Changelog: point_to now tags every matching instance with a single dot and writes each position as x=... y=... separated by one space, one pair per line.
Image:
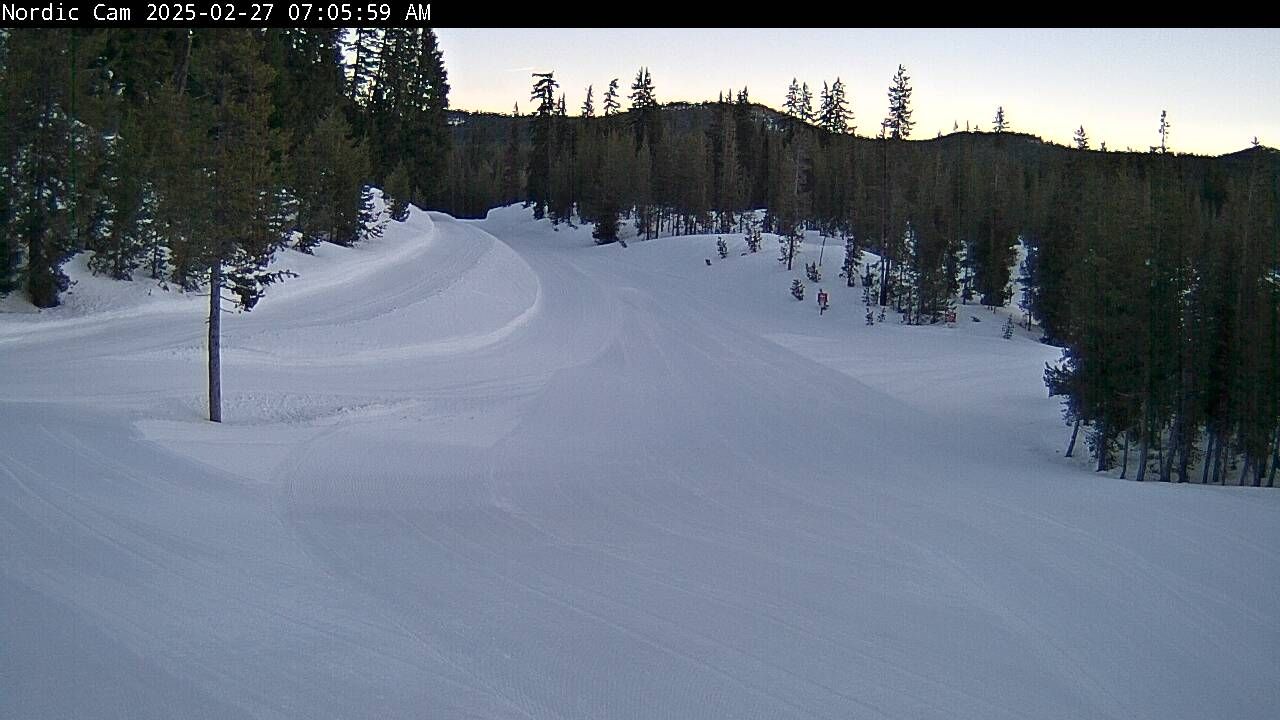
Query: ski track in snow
x=481 y=469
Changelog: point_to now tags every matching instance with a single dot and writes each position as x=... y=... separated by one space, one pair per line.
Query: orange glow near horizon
x=1221 y=87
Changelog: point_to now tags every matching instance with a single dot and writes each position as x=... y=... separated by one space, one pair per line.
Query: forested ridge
x=191 y=157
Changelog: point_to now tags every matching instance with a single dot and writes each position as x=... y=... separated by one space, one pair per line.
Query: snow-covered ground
x=487 y=470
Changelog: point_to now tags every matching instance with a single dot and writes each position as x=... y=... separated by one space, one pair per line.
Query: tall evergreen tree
x=1164 y=131
x=792 y=104
x=542 y=142
x=130 y=235
x=49 y=156
x=364 y=46
x=1080 y=139
x=644 y=109
x=512 y=183
x=428 y=121
x=244 y=227
x=334 y=204
x=834 y=115
x=806 y=104
x=899 y=122
x=408 y=111
x=611 y=105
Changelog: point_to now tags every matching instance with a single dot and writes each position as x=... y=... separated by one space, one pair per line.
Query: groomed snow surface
x=489 y=470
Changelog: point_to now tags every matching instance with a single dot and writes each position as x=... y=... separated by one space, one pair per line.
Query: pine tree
x=806 y=104
x=811 y=270
x=899 y=122
x=50 y=156
x=834 y=115
x=611 y=105
x=397 y=190
x=408 y=111
x=644 y=109
x=309 y=79
x=797 y=289
x=542 y=141
x=333 y=203
x=428 y=120
x=131 y=236
x=244 y=227
x=512 y=182
x=1164 y=131
x=792 y=104
x=999 y=125
x=1028 y=278
x=852 y=261
x=386 y=127
x=603 y=197
x=182 y=200
x=363 y=45
x=563 y=163
x=722 y=248
x=1081 y=139
x=1007 y=332
x=588 y=105
x=606 y=229
x=730 y=196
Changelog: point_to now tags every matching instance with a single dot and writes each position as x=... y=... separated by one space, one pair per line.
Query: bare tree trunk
x=215 y=348
x=1103 y=448
x=1184 y=459
x=1275 y=459
x=884 y=279
x=884 y=219
x=1208 y=457
x=1218 y=477
x=1160 y=457
x=1071 y=446
x=180 y=77
x=1124 y=463
x=1143 y=447
x=1166 y=461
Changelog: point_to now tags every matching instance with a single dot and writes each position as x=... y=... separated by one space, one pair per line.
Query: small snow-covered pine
x=797 y=289
x=722 y=247
x=852 y=256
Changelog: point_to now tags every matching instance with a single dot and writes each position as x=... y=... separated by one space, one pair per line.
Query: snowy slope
x=485 y=469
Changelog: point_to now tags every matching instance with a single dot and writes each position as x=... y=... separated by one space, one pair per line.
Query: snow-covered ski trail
x=483 y=469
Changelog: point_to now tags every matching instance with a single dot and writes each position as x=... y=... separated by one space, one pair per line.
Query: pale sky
x=1221 y=87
